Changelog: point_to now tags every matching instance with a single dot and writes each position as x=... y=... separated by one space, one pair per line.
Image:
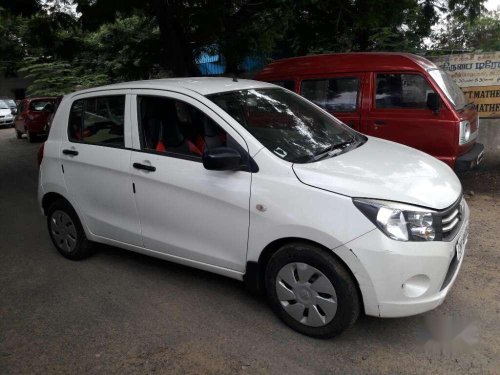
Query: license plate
x=462 y=241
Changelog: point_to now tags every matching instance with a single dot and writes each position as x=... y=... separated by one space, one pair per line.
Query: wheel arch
x=51 y=197
x=255 y=271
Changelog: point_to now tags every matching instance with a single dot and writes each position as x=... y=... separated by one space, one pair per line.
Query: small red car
x=401 y=97
x=32 y=117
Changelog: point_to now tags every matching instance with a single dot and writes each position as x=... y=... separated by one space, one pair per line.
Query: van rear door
x=339 y=94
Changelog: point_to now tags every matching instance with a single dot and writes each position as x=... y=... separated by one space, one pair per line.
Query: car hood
x=4 y=112
x=385 y=170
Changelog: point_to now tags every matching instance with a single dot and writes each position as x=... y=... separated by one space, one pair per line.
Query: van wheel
x=67 y=232
x=19 y=135
x=311 y=291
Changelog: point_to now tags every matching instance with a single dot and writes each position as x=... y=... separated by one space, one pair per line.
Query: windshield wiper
x=328 y=151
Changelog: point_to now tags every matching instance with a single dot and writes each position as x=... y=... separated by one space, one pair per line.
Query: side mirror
x=222 y=159
x=433 y=102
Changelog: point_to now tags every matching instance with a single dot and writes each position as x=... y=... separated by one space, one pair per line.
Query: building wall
x=13 y=87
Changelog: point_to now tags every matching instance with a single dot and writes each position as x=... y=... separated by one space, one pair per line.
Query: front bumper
x=6 y=121
x=471 y=159
x=405 y=278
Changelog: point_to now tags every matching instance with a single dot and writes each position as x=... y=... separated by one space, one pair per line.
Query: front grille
x=449 y=221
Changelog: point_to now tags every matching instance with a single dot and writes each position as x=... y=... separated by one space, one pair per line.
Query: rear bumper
x=471 y=159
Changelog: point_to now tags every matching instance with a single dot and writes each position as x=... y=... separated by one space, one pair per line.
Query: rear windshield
x=3 y=105
x=39 y=105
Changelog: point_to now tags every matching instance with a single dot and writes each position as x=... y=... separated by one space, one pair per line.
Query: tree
x=459 y=34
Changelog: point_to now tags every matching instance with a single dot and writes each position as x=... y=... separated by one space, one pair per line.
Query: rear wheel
x=67 y=232
x=311 y=291
x=31 y=137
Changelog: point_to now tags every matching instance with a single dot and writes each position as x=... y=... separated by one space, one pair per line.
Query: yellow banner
x=478 y=75
x=485 y=98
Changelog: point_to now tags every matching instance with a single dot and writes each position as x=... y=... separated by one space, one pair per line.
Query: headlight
x=399 y=221
x=464 y=132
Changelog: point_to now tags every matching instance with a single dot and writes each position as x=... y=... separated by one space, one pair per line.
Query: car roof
x=200 y=85
x=345 y=62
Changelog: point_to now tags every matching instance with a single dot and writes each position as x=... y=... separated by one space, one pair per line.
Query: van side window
x=287 y=84
x=169 y=125
x=334 y=95
x=402 y=91
x=98 y=120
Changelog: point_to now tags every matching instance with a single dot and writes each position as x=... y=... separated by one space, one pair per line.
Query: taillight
x=40 y=154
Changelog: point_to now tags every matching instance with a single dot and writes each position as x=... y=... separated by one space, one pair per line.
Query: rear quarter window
x=98 y=120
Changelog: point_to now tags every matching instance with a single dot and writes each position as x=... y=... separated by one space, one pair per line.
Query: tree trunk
x=176 y=52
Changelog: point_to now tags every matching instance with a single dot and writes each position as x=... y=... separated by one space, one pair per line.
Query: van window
x=287 y=84
x=173 y=126
x=334 y=94
x=98 y=120
x=40 y=105
x=402 y=91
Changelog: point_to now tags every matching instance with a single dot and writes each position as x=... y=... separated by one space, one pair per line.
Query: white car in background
x=251 y=181
x=6 y=116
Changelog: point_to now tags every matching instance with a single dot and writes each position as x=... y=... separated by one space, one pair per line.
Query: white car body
x=6 y=117
x=222 y=221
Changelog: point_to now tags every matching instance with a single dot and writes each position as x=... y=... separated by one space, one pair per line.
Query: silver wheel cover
x=63 y=231
x=306 y=294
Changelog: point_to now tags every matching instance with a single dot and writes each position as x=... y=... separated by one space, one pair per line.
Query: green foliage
x=58 y=78
x=482 y=34
x=108 y=41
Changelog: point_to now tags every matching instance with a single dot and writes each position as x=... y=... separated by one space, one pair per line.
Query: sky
x=492 y=4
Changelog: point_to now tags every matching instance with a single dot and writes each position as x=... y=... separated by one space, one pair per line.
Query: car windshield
x=39 y=105
x=11 y=103
x=289 y=126
x=4 y=105
x=450 y=88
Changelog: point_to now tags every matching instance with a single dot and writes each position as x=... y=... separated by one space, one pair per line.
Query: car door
x=185 y=210
x=339 y=94
x=398 y=112
x=96 y=164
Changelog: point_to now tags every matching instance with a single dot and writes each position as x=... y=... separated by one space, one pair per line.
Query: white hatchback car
x=251 y=181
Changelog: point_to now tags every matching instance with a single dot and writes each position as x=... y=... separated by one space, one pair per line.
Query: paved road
x=119 y=312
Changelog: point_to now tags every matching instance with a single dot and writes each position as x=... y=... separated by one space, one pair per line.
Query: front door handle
x=144 y=167
x=379 y=122
x=70 y=152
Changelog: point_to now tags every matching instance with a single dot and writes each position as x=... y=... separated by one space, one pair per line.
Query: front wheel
x=311 y=291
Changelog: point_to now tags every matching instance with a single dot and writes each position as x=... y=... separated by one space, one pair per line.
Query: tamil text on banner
x=478 y=74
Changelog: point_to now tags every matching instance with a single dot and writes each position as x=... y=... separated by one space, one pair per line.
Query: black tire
x=31 y=137
x=348 y=301
x=82 y=246
x=19 y=135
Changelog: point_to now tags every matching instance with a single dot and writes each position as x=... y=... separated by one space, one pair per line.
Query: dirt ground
x=120 y=312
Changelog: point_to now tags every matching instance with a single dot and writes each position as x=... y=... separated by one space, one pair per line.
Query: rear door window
x=98 y=120
x=395 y=90
x=333 y=94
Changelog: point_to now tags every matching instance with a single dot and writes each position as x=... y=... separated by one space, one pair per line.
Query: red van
x=32 y=117
x=396 y=96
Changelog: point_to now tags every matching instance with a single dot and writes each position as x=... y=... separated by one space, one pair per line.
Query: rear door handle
x=70 y=152
x=379 y=122
x=144 y=167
